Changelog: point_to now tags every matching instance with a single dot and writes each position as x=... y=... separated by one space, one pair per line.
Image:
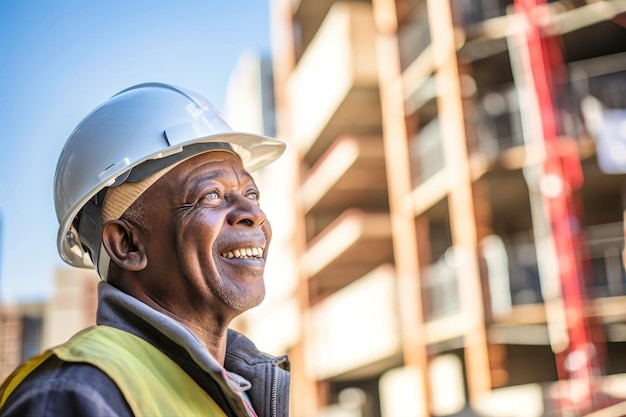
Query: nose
x=246 y=212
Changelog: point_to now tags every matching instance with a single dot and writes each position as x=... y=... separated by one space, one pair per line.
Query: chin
x=255 y=299
x=243 y=299
x=246 y=304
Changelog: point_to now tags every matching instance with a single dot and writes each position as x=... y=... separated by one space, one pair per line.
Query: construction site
x=448 y=218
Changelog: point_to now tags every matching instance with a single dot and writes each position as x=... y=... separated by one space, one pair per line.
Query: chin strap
x=90 y=229
x=102 y=266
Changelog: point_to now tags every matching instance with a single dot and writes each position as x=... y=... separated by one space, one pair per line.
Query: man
x=154 y=189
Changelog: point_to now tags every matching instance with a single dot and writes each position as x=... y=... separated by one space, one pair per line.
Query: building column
x=461 y=199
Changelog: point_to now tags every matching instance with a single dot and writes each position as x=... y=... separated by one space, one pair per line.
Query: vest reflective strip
x=152 y=384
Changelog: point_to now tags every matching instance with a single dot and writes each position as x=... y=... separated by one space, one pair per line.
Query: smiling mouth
x=243 y=253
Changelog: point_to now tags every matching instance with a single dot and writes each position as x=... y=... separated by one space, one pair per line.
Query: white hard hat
x=136 y=132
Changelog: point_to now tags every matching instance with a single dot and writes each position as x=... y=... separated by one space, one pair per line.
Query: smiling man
x=154 y=189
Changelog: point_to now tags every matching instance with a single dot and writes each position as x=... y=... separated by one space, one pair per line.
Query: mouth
x=243 y=253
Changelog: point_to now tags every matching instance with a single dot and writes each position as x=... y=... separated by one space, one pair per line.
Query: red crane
x=560 y=178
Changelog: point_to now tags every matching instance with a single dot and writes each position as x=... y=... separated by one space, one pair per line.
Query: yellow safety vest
x=152 y=384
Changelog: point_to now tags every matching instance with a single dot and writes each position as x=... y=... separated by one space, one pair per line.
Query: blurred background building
x=28 y=328
x=448 y=218
x=458 y=189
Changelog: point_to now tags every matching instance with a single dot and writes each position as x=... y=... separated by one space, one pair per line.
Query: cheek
x=198 y=235
x=197 y=259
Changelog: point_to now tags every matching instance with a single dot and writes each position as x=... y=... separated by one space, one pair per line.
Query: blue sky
x=59 y=60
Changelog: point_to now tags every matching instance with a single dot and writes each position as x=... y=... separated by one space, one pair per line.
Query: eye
x=253 y=195
x=211 y=197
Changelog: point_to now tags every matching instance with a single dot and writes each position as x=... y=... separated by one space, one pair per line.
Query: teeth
x=244 y=253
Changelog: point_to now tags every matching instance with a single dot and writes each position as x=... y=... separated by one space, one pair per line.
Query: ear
x=122 y=242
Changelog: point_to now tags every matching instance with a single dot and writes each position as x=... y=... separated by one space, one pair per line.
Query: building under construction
x=457 y=173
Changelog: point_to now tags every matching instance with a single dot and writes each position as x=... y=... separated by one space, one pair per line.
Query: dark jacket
x=58 y=388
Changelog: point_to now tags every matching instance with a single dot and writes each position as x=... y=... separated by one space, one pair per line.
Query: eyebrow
x=194 y=181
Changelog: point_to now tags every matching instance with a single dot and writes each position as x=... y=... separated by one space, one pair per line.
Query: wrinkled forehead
x=211 y=161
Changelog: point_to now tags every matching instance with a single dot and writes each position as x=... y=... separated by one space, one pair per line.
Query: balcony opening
x=440 y=262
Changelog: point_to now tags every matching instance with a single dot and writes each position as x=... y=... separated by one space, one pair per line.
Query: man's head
x=194 y=239
x=150 y=131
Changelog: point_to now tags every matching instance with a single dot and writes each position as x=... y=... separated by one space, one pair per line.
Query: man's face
x=206 y=237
